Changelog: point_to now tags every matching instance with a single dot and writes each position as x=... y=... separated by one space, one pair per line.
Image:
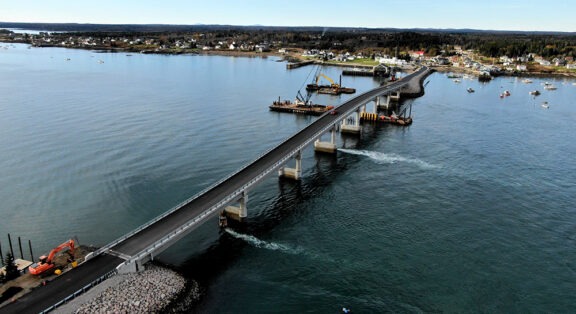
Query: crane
x=315 y=86
x=46 y=263
x=332 y=84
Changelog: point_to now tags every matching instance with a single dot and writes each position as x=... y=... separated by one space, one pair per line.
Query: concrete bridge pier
x=293 y=173
x=327 y=147
x=352 y=123
x=381 y=105
x=238 y=212
x=393 y=96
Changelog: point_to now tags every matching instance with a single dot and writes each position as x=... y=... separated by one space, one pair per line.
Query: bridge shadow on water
x=287 y=202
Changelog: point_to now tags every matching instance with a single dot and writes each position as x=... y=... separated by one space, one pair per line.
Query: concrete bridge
x=130 y=252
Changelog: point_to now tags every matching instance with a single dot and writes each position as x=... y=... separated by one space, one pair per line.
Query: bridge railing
x=80 y=291
x=235 y=194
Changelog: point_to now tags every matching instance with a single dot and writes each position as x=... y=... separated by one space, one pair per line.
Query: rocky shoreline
x=157 y=289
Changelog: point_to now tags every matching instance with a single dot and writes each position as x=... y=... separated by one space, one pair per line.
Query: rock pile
x=144 y=292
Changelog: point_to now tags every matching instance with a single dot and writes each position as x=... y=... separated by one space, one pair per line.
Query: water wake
x=382 y=158
x=252 y=240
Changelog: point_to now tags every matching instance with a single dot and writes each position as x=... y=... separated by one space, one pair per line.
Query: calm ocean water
x=470 y=209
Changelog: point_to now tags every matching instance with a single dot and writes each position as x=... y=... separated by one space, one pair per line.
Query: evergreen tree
x=11 y=269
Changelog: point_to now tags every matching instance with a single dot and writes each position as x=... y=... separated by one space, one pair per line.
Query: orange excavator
x=46 y=263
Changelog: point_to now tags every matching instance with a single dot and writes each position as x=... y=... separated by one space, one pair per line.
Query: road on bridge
x=75 y=279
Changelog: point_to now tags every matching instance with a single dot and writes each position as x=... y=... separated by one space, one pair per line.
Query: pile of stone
x=145 y=292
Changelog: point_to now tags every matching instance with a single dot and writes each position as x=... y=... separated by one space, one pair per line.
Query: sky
x=522 y=15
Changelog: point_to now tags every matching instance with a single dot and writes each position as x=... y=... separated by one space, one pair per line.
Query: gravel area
x=149 y=291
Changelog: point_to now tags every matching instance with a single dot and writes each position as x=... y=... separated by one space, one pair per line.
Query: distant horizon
x=489 y=15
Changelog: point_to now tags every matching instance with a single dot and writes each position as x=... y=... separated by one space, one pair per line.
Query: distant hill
x=76 y=27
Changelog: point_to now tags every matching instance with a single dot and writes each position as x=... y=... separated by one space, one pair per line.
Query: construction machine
x=315 y=86
x=46 y=262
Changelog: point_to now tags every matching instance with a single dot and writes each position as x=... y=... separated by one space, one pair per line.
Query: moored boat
x=534 y=93
x=550 y=87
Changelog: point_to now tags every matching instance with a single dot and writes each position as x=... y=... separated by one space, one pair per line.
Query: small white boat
x=527 y=81
x=545 y=106
x=550 y=87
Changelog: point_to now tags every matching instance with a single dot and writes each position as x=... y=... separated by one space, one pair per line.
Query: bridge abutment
x=130 y=267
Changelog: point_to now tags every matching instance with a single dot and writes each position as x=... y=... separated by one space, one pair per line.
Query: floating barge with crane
x=332 y=89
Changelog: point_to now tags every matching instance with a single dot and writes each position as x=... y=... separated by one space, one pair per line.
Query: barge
x=300 y=107
x=332 y=89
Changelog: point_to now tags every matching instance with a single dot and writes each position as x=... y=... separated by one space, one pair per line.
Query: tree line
x=388 y=41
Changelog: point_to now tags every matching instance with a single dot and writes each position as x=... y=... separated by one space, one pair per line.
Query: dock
x=376 y=71
x=294 y=65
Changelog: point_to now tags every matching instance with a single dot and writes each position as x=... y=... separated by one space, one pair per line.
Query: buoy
x=57 y=271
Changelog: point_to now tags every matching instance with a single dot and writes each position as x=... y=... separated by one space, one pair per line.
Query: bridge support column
x=238 y=212
x=381 y=105
x=394 y=96
x=293 y=173
x=351 y=124
x=327 y=147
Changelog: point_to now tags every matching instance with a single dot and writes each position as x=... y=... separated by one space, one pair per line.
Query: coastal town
x=342 y=48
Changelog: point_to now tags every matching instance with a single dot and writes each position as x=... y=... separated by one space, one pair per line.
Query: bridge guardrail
x=80 y=291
